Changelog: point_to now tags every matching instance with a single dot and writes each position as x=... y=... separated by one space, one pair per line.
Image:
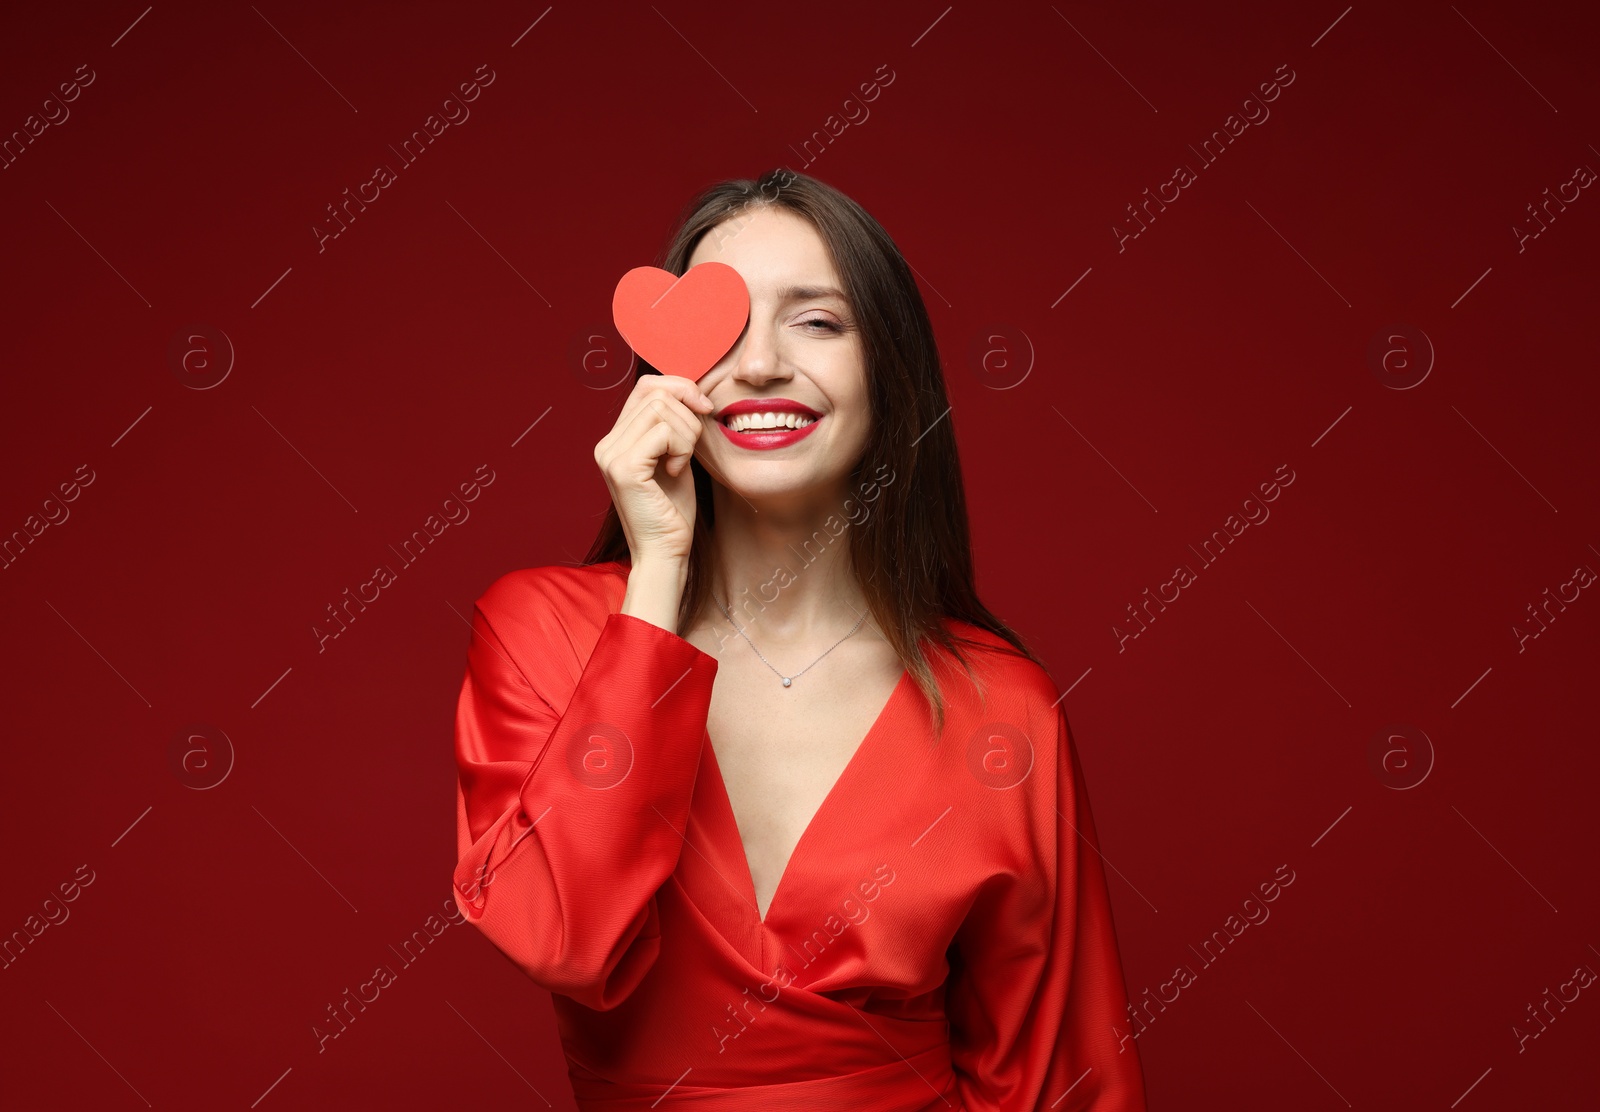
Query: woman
x=781 y=813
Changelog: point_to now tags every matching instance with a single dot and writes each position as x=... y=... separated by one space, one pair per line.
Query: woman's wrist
x=655 y=590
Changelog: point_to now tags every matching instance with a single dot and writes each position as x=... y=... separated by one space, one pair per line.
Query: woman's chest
x=781 y=752
x=866 y=878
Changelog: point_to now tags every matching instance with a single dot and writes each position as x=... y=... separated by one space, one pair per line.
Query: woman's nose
x=756 y=354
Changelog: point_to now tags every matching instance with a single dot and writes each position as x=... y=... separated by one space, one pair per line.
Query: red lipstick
x=767 y=439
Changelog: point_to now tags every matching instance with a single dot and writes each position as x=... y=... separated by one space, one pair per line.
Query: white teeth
x=745 y=422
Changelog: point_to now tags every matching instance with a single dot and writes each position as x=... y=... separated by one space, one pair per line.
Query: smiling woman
x=672 y=826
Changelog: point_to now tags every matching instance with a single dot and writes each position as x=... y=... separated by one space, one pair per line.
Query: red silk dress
x=940 y=940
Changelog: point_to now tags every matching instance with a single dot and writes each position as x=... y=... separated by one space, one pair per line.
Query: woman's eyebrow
x=809 y=293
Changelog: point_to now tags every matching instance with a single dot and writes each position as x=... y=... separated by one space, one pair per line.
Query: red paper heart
x=681 y=325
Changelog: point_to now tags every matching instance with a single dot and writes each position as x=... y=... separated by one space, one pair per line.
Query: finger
x=661 y=409
x=662 y=428
x=643 y=409
x=674 y=386
x=684 y=420
x=636 y=465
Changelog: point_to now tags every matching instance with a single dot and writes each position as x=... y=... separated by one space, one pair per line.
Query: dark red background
x=377 y=375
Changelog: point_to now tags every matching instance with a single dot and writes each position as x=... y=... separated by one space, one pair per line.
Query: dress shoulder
x=569 y=588
x=549 y=617
x=1003 y=668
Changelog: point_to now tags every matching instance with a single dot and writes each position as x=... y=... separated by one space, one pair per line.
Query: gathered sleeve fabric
x=575 y=778
x=1036 y=982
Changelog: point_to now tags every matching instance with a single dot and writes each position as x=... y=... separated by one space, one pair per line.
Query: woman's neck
x=784 y=571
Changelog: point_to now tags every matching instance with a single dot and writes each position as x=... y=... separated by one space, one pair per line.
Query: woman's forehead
x=770 y=248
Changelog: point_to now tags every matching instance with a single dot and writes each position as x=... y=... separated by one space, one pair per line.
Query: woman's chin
x=770 y=482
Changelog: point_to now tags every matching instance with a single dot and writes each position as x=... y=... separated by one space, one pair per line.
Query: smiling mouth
x=768 y=422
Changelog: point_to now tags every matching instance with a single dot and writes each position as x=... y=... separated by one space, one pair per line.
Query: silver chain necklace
x=787 y=680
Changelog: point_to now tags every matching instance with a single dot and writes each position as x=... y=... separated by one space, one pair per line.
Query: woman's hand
x=645 y=461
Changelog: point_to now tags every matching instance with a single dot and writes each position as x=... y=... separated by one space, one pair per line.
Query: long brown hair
x=913 y=555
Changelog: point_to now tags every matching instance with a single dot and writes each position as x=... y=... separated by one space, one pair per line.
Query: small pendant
x=787 y=681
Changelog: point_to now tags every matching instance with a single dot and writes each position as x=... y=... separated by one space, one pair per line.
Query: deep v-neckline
x=817 y=816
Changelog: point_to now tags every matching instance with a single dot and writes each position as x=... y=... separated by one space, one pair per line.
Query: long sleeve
x=570 y=797
x=1036 y=979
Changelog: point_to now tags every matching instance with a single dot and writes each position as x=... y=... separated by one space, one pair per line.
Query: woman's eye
x=828 y=325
